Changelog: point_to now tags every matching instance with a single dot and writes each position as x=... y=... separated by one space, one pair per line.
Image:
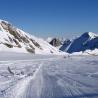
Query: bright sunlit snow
x=38 y=76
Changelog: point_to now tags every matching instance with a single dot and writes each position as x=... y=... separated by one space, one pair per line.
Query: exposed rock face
x=55 y=42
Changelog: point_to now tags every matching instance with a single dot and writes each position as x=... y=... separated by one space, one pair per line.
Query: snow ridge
x=13 y=39
x=87 y=41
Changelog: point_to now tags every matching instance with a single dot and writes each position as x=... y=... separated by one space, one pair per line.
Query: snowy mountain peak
x=14 y=39
x=90 y=35
x=87 y=41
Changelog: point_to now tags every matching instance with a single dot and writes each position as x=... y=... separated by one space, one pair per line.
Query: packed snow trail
x=50 y=77
x=54 y=81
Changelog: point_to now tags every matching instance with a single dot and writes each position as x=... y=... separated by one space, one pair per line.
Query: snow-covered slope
x=87 y=41
x=14 y=39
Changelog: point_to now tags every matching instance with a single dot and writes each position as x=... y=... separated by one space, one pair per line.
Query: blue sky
x=45 y=18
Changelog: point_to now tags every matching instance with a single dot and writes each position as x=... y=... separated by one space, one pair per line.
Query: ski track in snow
x=53 y=77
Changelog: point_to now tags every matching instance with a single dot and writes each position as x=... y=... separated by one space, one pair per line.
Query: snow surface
x=48 y=76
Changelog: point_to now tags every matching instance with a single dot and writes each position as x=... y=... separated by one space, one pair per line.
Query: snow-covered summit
x=90 y=35
x=16 y=40
x=87 y=41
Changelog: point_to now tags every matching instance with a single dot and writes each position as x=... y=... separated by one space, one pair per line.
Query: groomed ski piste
x=48 y=76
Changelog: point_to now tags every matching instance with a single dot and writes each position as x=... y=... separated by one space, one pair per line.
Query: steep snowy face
x=14 y=39
x=87 y=41
x=65 y=44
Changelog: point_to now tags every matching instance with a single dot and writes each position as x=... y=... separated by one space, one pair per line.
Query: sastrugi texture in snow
x=48 y=76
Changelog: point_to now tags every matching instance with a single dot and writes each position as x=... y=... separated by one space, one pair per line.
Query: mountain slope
x=65 y=44
x=87 y=41
x=14 y=39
